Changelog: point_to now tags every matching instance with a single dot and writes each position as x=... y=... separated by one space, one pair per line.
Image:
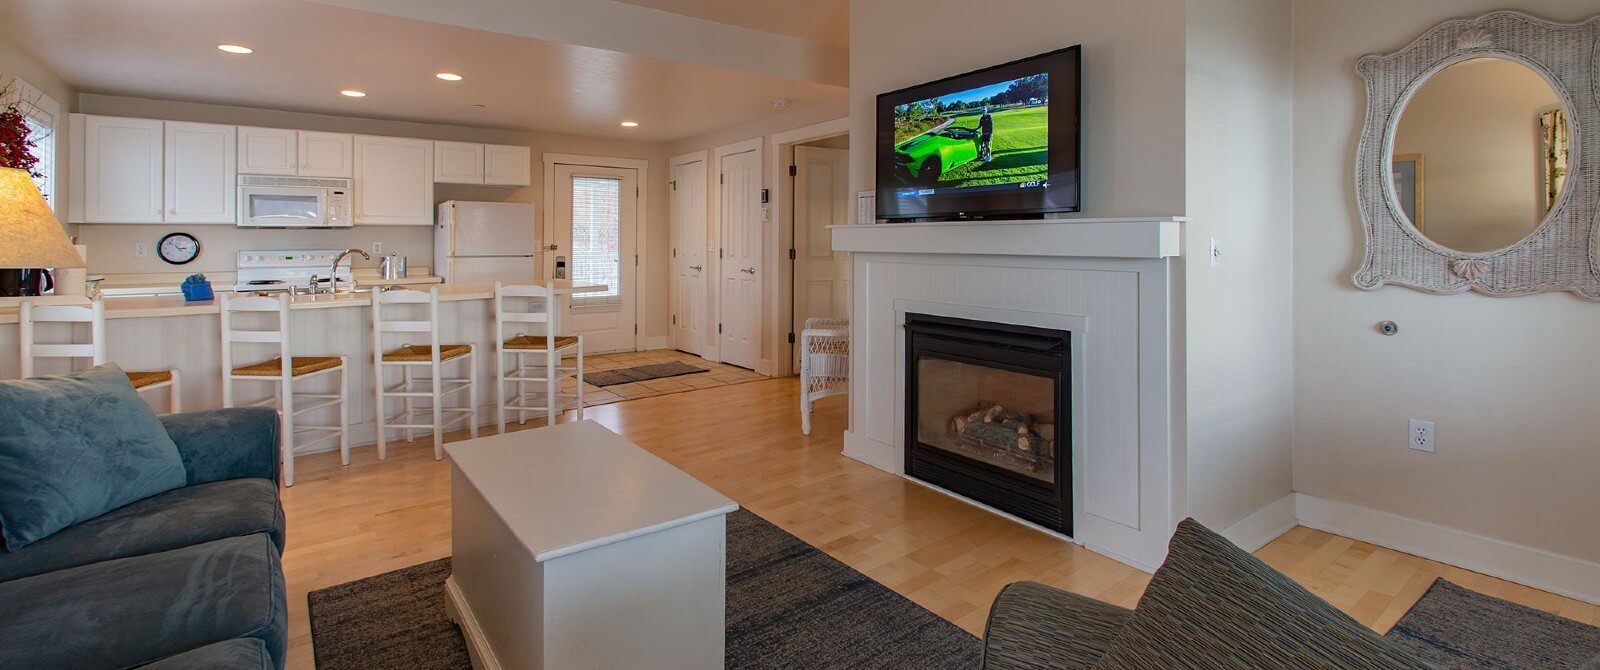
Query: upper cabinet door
x=122 y=170
x=457 y=163
x=268 y=151
x=393 y=181
x=201 y=172
x=507 y=165
x=327 y=154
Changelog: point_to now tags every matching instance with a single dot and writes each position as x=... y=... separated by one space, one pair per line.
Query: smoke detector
x=782 y=103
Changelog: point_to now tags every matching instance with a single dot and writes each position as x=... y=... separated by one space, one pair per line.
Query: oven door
x=283 y=207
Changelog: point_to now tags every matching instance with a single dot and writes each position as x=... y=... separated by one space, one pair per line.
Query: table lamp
x=30 y=235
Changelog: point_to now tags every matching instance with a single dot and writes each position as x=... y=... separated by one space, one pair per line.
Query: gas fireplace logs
x=1009 y=430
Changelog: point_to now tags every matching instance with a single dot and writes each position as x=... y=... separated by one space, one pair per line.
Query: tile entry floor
x=718 y=374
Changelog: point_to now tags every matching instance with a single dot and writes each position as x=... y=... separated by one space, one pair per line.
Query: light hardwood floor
x=371 y=517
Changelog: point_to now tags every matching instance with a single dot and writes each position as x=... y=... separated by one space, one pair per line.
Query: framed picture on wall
x=1408 y=187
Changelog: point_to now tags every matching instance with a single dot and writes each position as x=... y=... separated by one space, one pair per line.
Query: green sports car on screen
x=922 y=159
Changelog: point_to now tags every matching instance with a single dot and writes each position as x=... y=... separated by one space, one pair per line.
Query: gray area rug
x=1458 y=629
x=789 y=606
x=640 y=373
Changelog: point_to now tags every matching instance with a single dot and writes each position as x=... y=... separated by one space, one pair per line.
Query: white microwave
x=293 y=202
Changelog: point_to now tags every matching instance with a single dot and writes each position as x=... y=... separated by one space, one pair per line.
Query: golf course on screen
x=940 y=142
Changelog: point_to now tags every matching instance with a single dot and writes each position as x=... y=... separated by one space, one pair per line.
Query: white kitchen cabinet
x=457 y=163
x=326 y=154
x=268 y=151
x=393 y=181
x=122 y=170
x=201 y=172
x=505 y=165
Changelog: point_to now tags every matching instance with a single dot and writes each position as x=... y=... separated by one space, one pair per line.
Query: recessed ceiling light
x=479 y=107
x=630 y=124
x=352 y=93
x=782 y=103
x=448 y=76
x=236 y=49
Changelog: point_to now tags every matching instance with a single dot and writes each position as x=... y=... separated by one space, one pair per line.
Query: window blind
x=597 y=239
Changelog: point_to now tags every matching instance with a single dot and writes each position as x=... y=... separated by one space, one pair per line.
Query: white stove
x=287 y=269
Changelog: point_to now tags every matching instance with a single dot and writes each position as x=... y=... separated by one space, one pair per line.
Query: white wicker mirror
x=1552 y=250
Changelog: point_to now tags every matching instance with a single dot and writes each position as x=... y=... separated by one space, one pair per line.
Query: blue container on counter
x=196 y=288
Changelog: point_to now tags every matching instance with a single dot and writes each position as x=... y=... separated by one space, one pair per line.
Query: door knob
x=549 y=247
x=749 y=271
x=696 y=268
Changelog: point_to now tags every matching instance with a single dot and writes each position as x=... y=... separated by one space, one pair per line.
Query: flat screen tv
x=998 y=142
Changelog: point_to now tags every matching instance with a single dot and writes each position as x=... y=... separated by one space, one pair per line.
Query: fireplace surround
x=988 y=414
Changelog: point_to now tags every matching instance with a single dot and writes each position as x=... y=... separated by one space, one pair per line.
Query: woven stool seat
x=151 y=378
x=298 y=365
x=538 y=342
x=419 y=353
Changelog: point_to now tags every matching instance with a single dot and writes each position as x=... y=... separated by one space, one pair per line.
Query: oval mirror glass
x=1480 y=154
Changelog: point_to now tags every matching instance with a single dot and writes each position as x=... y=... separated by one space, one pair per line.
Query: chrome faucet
x=333 y=279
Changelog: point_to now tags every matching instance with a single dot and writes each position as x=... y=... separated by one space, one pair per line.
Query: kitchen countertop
x=120 y=286
x=174 y=305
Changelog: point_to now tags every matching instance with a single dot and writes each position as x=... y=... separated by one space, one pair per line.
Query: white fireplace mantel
x=1101 y=238
x=1105 y=281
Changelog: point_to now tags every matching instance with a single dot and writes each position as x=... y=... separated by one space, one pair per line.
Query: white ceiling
x=306 y=52
x=825 y=21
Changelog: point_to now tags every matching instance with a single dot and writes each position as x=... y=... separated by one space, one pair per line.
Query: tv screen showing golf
x=1000 y=141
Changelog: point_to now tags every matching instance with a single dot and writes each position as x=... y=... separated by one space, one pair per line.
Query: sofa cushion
x=1037 y=627
x=75 y=446
x=1213 y=605
x=166 y=521
x=237 y=654
x=132 y=611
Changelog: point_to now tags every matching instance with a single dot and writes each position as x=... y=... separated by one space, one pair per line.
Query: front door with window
x=593 y=229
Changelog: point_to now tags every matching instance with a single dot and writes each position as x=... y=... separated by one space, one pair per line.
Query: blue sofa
x=189 y=578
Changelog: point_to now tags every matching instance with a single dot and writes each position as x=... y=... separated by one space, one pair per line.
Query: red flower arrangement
x=16 y=147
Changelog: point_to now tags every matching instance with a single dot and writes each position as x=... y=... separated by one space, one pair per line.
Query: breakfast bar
x=167 y=332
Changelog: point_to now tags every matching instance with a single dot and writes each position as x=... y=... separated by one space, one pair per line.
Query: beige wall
x=16 y=62
x=1510 y=382
x=1475 y=124
x=111 y=246
x=1133 y=81
x=1238 y=316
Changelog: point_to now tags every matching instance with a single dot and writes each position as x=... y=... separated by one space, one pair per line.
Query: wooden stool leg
x=472 y=392
x=405 y=387
x=580 y=377
x=378 y=409
x=552 y=381
x=175 y=400
x=344 y=410
x=522 y=390
x=437 y=413
x=500 y=386
x=286 y=408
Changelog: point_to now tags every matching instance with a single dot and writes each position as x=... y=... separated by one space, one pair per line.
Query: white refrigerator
x=486 y=241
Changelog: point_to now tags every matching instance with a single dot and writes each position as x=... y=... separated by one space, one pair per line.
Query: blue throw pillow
x=75 y=446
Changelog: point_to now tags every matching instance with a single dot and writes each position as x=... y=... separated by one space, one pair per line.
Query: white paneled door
x=822 y=275
x=740 y=272
x=689 y=318
x=594 y=229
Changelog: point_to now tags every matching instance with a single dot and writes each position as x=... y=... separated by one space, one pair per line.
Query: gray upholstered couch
x=1210 y=605
x=189 y=578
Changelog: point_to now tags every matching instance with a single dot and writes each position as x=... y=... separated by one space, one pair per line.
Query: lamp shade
x=30 y=236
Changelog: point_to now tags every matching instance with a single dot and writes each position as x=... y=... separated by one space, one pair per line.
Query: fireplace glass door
x=1000 y=417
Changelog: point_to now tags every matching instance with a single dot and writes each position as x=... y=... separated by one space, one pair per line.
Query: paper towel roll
x=73 y=281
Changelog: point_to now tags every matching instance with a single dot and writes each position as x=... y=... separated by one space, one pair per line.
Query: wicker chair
x=824 y=363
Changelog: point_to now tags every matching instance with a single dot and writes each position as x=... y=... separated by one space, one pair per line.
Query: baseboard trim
x=877 y=454
x=1563 y=575
x=655 y=342
x=1264 y=525
x=455 y=607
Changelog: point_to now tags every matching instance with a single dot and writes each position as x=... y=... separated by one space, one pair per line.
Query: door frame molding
x=781 y=293
x=702 y=156
x=641 y=270
x=714 y=296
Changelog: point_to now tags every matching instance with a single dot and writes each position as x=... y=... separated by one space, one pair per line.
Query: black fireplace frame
x=1027 y=350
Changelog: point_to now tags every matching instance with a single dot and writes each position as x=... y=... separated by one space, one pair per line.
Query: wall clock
x=178 y=248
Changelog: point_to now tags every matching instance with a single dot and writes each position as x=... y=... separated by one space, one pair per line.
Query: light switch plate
x=140 y=249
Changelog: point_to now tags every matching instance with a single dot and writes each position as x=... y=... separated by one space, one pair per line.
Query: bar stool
x=551 y=347
x=283 y=371
x=92 y=312
x=411 y=358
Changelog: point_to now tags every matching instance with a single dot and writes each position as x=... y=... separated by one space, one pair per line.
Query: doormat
x=640 y=373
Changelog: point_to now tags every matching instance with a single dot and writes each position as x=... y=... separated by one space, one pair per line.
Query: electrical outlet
x=1420 y=434
x=139 y=249
x=377 y=248
x=1216 y=252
